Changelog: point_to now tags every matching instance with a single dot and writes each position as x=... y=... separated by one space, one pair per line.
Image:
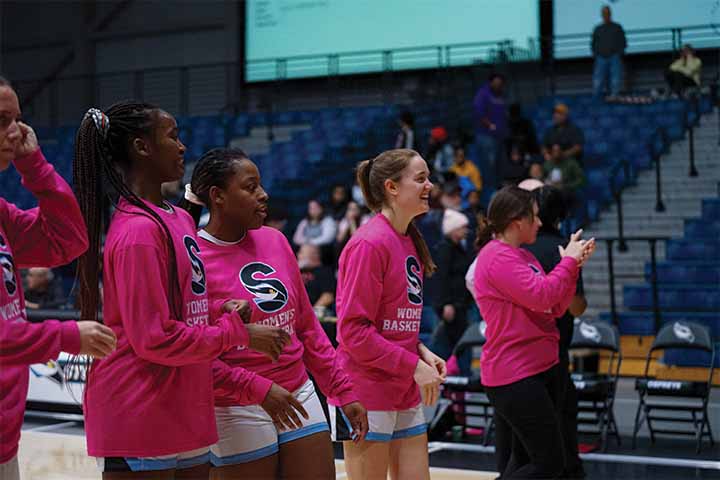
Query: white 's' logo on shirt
x=270 y=293
x=413 y=274
x=198 y=269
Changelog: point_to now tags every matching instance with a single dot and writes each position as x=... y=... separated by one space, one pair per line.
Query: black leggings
x=678 y=81
x=528 y=440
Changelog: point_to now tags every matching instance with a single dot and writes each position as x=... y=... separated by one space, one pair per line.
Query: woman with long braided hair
x=149 y=405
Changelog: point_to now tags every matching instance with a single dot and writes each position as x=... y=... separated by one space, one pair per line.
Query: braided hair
x=102 y=159
x=214 y=169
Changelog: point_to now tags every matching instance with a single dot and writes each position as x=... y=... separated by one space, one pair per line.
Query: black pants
x=567 y=414
x=678 y=81
x=528 y=440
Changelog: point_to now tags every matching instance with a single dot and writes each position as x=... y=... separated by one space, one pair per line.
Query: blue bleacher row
x=688 y=286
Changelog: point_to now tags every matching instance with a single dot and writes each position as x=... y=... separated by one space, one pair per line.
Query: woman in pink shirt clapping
x=519 y=304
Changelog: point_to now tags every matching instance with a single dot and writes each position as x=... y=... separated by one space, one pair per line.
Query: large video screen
x=648 y=24
x=306 y=38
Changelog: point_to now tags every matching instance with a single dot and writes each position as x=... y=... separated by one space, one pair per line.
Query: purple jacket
x=487 y=105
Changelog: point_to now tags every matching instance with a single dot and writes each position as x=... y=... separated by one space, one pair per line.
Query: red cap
x=439 y=133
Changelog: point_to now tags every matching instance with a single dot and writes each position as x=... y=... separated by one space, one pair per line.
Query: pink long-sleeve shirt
x=48 y=236
x=519 y=304
x=262 y=269
x=153 y=395
x=379 y=306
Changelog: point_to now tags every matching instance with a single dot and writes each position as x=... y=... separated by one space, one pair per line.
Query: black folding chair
x=458 y=387
x=694 y=395
x=596 y=391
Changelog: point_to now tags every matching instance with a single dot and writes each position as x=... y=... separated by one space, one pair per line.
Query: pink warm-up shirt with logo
x=153 y=395
x=50 y=235
x=262 y=269
x=519 y=304
x=379 y=306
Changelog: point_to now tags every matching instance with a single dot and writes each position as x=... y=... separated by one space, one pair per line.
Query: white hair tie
x=191 y=197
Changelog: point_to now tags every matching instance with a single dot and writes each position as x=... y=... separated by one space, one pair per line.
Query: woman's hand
x=283 y=408
x=357 y=415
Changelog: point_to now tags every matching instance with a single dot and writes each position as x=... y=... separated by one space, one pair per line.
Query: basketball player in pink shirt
x=519 y=304
x=379 y=304
x=270 y=421
x=149 y=409
x=50 y=235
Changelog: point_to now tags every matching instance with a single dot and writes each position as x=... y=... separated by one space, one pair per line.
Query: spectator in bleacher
x=684 y=72
x=357 y=195
x=406 y=135
x=517 y=166
x=564 y=133
x=537 y=171
x=608 y=47
x=319 y=280
x=462 y=167
x=316 y=228
x=565 y=174
x=491 y=124
x=339 y=198
x=521 y=131
x=440 y=154
x=348 y=225
x=43 y=291
x=451 y=196
x=452 y=299
x=552 y=211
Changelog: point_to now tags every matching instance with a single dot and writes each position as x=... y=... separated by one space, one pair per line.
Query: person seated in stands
x=319 y=280
x=316 y=228
x=348 y=225
x=462 y=167
x=451 y=197
x=537 y=171
x=517 y=167
x=453 y=256
x=564 y=133
x=564 y=174
x=42 y=291
x=406 y=136
x=684 y=72
x=339 y=198
x=440 y=156
x=521 y=132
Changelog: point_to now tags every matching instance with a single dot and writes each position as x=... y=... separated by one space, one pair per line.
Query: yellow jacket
x=469 y=170
x=690 y=67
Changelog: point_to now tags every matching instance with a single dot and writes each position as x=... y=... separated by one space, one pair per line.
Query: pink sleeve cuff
x=408 y=364
x=69 y=337
x=237 y=333
x=571 y=264
x=346 y=397
x=259 y=388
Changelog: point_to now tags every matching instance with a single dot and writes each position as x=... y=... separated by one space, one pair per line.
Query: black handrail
x=692 y=105
x=652 y=243
x=616 y=188
x=655 y=154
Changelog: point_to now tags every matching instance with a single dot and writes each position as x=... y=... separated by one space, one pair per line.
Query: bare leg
x=308 y=458
x=409 y=458
x=367 y=460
